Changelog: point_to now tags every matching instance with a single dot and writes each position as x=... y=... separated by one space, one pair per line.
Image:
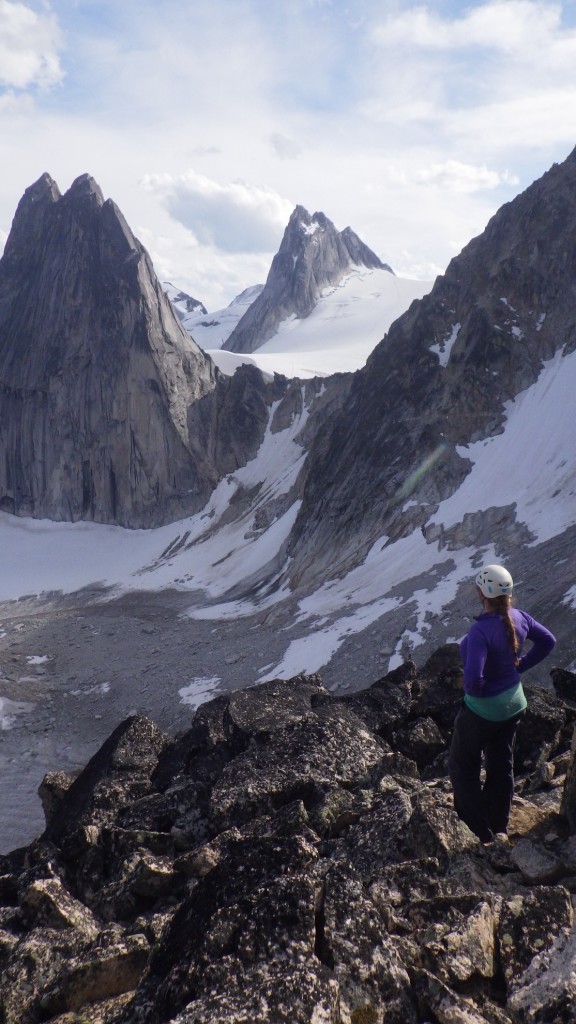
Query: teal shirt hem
x=497 y=709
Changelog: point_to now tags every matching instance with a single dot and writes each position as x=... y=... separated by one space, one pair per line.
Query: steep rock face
x=96 y=373
x=441 y=377
x=282 y=861
x=313 y=255
x=226 y=426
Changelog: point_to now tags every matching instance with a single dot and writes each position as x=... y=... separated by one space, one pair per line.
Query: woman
x=494 y=703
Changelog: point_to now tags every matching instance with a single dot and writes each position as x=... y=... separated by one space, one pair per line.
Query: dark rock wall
x=96 y=374
x=512 y=291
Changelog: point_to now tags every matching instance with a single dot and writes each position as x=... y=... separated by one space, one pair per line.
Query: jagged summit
x=312 y=256
x=96 y=372
x=41 y=197
x=45 y=188
x=85 y=185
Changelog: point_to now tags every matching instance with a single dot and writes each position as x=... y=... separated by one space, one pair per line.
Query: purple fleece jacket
x=489 y=667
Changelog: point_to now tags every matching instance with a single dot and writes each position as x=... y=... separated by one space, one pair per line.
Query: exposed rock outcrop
x=312 y=256
x=441 y=378
x=283 y=861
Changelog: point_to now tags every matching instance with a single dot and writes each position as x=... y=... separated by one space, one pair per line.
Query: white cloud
x=29 y=47
x=452 y=174
x=489 y=79
x=236 y=218
x=211 y=276
x=524 y=28
x=546 y=118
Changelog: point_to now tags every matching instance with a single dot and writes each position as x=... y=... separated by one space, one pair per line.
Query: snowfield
x=346 y=325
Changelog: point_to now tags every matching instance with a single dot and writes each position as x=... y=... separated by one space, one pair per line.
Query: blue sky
x=207 y=121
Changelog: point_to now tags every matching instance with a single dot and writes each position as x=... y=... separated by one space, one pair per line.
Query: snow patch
x=101 y=688
x=211 y=330
x=528 y=464
x=198 y=691
x=9 y=709
x=444 y=348
x=368 y=591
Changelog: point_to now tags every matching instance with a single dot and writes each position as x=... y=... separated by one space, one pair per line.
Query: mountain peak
x=299 y=213
x=44 y=188
x=85 y=185
x=97 y=373
x=313 y=255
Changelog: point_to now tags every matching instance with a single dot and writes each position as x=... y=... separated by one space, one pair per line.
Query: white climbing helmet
x=494 y=580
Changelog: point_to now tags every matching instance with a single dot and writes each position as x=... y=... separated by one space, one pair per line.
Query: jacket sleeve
x=542 y=643
x=474 y=649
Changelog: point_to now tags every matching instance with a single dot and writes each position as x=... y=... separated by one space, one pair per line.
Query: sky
x=207 y=122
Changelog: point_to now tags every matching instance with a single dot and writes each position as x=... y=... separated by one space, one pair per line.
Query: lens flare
x=425 y=466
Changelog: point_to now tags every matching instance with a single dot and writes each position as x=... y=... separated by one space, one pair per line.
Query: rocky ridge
x=294 y=856
x=441 y=378
x=312 y=256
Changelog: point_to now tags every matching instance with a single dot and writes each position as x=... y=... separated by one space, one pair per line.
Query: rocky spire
x=96 y=373
x=312 y=256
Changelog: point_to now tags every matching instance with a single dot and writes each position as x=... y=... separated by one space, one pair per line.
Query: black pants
x=484 y=808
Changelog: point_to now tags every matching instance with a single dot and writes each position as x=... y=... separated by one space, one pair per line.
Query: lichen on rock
x=280 y=861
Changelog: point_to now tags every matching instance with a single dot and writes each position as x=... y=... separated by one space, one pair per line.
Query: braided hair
x=502 y=605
